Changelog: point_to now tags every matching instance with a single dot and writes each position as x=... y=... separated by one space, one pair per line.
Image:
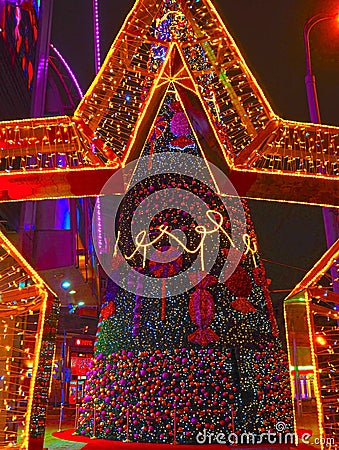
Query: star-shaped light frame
x=265 y=156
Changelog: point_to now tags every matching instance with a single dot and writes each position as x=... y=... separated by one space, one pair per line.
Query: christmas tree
x=169 y=366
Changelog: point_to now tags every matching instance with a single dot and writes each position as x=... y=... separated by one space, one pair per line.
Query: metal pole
x=63 y=380
x=330 y=215
x=41 y=63
x=127 y=426
x=61 y=417
x=311 y=89
x=94 y=423
x=296 y=380
x=76 y=416
x=175 y=424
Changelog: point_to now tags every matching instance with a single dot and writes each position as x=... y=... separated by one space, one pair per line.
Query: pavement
x=53 y=443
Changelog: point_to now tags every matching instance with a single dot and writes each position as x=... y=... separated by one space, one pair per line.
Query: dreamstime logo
x=172 y=199
x=282 y=435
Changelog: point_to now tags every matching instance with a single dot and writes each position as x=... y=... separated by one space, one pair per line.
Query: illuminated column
x=308 y=413
x=97 y=58
x=97 y=62
x=330 y=215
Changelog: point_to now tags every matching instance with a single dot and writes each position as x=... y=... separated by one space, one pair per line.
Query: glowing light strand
x=141 y=238
x=96 y=25
x=69 y=70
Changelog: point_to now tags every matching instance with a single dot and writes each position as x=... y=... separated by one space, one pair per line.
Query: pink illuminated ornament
x=240 y=284
x=180 y=125
x=202 y=310
x=180 y=128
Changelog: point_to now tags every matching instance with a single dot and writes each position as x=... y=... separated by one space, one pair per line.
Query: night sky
x=270 y=36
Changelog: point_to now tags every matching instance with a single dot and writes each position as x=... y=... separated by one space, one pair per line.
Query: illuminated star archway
x=265 y=156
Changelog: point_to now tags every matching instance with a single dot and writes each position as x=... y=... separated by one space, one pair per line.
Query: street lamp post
x=330 y=215
x=310 y=78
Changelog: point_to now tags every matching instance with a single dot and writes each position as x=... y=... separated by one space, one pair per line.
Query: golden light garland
x=26 y=347
x=142 y=243
x=321 y=320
